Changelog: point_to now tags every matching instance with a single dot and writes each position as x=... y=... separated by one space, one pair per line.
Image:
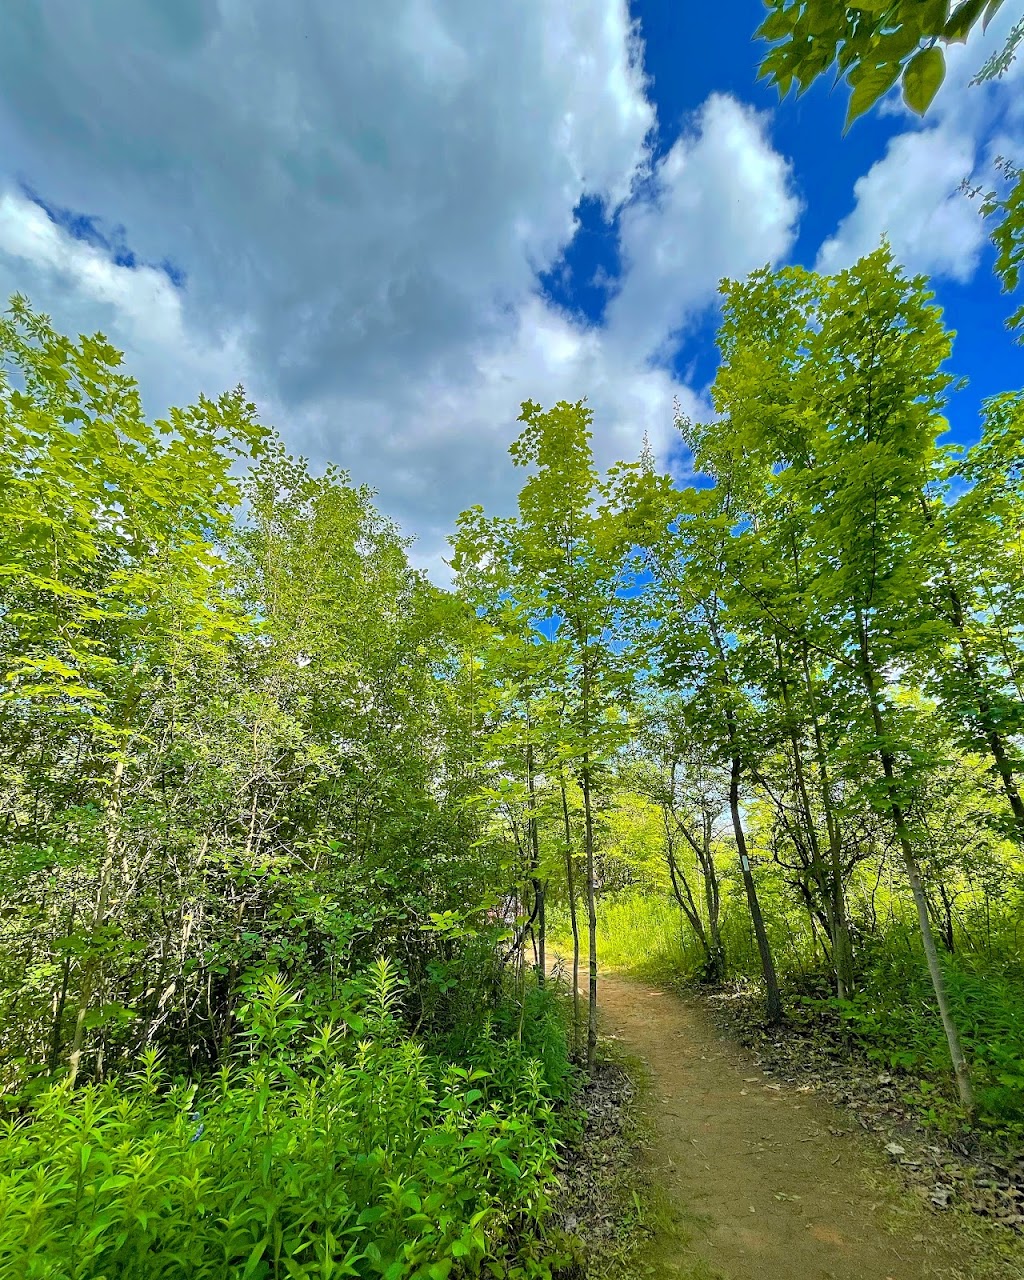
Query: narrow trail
x=769 y=1183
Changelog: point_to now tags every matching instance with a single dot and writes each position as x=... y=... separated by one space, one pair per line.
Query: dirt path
x=771 y=1183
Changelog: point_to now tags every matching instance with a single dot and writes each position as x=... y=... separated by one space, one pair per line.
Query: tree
x=566 y=559
x=691 y=790
x=700 y=656
x=112 y=580
x=854 y=452
x=876 y=43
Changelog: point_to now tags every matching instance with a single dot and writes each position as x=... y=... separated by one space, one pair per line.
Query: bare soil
x=767 y=1182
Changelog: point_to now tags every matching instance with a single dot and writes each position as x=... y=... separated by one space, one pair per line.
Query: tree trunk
x=684 y=894
x=960 y=1068
x=538 y=883
x=842 y=949
x=588 y=818
x=61 y=999
x=829 y=876
x=773 y=997
x=91 y=968
x=570 y=883
x=993 y=738
x=713 y=898
x=718 y=964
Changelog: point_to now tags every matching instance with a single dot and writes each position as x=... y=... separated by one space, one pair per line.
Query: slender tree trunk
x=993 y=738
x=829 y=876
x=842 y=948
x=712 y=896
x=946 y=923
x=588 y=818
x=91 y=968
x=538 y=883
x=773 y=997
x=870 y=682
x=684 y=894
x=570 y=884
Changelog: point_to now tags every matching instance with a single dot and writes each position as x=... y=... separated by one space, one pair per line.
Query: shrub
x=323 y=1150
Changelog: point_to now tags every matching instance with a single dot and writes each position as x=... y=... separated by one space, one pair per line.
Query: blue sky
x=395 y=222
x=693 y=51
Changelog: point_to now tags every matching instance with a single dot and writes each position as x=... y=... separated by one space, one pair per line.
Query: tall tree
x=699 y=655
x=568 y=557
x=856 y=452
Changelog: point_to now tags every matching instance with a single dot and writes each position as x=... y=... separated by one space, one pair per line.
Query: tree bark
x=773 y=997
x=828 y=876
x=570 y=883
x=870 y=681
x=588 y=818
x=993 y=738
x=538 y=883
x=91 y=968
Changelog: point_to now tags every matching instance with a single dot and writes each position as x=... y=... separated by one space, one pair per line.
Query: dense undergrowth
x=323 y=1148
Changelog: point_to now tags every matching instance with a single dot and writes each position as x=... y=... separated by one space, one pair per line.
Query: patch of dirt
x=946 y=1171
x=775 y=1184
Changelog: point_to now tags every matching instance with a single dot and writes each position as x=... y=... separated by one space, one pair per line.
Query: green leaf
x=962 y=19
x=924 y=74
x=868 y=89
x=256 y=1266
x=992 y=8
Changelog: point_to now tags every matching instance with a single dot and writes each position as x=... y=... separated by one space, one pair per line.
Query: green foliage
x=873 y=44
x=893 y=1018
x=282 y=822
x=320 y=1150
x=876 y=43
x=1006 y=209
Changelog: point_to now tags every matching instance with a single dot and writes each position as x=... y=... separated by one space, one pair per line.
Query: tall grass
x=637 y=934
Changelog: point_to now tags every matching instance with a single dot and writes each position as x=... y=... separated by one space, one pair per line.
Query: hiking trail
x=767 y=1181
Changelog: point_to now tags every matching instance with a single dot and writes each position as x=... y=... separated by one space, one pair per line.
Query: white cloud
x=361 y=197
x=722 y=205
x=912 y=194
x=369 y=184
x=138 y=308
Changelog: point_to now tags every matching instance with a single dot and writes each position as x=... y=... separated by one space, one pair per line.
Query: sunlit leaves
x=873 y=43
x=922 y=78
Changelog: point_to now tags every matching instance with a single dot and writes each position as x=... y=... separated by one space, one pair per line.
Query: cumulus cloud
x=361 y=199
x=138 y=307
x=721 y=204
x=912 y=194
x=370 y=184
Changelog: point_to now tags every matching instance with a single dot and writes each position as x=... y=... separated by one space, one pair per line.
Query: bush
x=330 y=1150
x=895 y=1019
